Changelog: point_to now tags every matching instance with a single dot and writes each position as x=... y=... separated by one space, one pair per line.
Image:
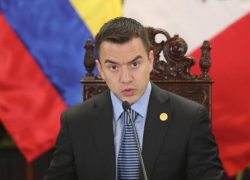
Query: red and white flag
x=226 y=24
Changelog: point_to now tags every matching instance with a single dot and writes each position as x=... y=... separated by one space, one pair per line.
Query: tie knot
x=125 y=116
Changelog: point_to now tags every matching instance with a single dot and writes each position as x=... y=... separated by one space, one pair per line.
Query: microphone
x=126 y=107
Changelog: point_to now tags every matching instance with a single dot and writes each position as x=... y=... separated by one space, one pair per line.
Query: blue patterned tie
x=128 y=158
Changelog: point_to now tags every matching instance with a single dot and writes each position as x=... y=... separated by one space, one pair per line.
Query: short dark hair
x=121 y=30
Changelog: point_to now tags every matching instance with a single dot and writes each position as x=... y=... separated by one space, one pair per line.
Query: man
x=174 y=133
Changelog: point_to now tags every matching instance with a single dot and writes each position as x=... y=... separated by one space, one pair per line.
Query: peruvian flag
x=226 y=24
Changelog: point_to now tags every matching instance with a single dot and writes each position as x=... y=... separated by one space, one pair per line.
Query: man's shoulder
x=86 y=106
x=177 y=100
x=183 y=108
x=183 y=100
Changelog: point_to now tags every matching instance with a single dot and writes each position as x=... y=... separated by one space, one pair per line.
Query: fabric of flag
x=41 y=63
x=226 y=24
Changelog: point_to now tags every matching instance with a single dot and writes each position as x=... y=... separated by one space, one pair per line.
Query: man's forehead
x=111 y=50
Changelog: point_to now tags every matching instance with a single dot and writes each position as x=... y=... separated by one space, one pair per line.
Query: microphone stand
x=138 y=146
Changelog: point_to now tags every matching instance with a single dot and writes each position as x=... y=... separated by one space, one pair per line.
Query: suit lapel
x=102 y=129
x=155 y=129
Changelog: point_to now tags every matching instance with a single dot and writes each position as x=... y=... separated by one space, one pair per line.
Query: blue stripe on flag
x=54 y=34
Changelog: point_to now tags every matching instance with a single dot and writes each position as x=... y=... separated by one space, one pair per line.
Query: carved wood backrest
x=170 y=72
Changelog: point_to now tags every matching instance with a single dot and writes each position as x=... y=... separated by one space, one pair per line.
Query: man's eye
x=135 y=64
x=113 y=67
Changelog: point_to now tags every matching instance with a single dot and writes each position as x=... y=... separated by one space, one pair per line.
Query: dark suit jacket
x=179 y=148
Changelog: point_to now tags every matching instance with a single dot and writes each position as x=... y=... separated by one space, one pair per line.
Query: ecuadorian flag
x=41 y=63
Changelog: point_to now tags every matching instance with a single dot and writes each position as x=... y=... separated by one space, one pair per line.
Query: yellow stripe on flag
x=96 y=12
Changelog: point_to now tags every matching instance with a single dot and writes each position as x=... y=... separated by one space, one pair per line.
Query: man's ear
x=151 y=60
x=99 y=67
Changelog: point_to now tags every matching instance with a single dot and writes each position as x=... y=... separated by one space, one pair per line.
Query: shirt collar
x=140 y=106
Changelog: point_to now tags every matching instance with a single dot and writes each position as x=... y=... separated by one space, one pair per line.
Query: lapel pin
x=163 y=117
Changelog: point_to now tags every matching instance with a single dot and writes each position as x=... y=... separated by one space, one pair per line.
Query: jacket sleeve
x=203 y=161
x=62 y=166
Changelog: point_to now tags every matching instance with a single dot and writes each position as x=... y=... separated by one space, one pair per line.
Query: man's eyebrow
x=113 y=62
x=137 y=57
x=110 y=61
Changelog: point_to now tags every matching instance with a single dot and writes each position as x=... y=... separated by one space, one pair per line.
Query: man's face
x=125 y=68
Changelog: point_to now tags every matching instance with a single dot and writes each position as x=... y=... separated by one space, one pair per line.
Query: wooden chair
x=171 y=73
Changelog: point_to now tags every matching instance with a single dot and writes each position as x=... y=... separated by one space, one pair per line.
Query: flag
x=226 y=24
x=41 y=63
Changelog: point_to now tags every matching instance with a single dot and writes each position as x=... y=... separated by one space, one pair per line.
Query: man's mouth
x=128 y=92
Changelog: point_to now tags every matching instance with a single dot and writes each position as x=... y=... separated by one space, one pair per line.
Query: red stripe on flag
x=230 y=96
x=30 y=107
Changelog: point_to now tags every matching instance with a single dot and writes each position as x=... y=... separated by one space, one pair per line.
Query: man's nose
x=125 y=75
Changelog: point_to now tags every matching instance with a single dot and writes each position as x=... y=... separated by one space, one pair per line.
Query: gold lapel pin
x=163 y=117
